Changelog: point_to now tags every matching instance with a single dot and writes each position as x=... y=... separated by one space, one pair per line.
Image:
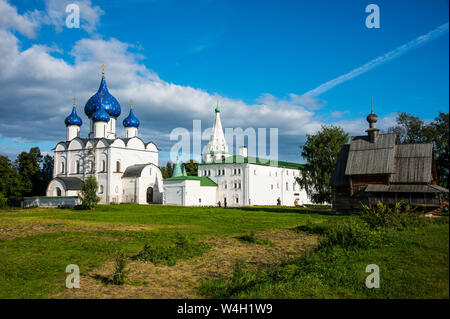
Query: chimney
x=243 y=151
x=372 y=132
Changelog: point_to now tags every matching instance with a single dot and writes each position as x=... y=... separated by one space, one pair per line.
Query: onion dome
x=372 y=118
x=101 y=115
x=73 y=118
x=110 y=103
x=217 y=107
x=131 y=120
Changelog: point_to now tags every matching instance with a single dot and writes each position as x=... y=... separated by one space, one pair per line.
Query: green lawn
x=37 y=244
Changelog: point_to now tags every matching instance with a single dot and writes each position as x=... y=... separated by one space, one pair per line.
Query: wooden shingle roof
x=413 y=163
x=367 y=158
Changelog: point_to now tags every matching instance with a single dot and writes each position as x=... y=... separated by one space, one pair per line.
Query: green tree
x=191 y=168
x=167 y=170
x=88 y=193
x=321 y=151
x=409 y=129
x=437 y=132
x=28 y=166
x=11 y=186
x=46 y=174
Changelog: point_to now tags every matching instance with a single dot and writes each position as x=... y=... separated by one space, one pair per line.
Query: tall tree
x=11 y=186
x=46 y=173
x=437 y=132
x=167 y=170
x=409 y=129
x=191 y=168
x=321 y=151
x=28 y=166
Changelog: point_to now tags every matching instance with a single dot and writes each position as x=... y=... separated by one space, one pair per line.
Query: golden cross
x=131 y=103
x=103 y=68
x=74 y=100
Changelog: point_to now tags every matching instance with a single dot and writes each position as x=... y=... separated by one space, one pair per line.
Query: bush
x=398 y=217
x=183 y=248
x=351 y=233
x=88 y=193
x=120 y=273
x=252 y=239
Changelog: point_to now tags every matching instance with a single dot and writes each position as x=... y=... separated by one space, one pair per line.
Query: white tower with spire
x=217 y=148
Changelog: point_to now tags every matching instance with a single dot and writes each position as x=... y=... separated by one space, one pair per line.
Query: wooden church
x=375 y=168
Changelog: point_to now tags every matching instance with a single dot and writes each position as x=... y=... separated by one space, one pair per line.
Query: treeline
x=321 y=151
x=191 y=168
x=28 y=175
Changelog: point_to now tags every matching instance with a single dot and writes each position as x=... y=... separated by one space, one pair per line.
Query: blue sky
x=247 y=54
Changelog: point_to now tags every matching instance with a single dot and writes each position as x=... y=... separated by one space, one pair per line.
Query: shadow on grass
x=295 y=210
x=103 y=279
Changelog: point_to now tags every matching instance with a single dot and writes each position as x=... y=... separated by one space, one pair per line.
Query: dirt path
x=147 y=280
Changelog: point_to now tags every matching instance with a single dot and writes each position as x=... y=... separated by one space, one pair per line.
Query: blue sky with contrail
x=421 y=40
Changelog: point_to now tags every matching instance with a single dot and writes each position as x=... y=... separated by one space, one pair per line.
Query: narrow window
x=118 y=167
x=287 y=186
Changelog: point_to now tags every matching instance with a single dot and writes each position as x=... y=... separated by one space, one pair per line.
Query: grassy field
x=256 y=252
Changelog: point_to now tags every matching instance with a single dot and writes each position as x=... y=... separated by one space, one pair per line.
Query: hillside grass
x=37 y=244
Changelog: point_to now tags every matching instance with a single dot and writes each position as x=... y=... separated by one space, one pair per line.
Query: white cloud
x=26 y=24
x=56 y=14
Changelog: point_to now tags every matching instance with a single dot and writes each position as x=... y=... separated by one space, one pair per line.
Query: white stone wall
x=189 y=193
x=244 y=184
x=51 y=201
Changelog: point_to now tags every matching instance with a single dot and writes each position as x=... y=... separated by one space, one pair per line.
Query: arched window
x=118 y=166
x=58 y=191
x=103 y=166
x=100 y=191
x=77 y=169
x=62 y=167
x=287 y=186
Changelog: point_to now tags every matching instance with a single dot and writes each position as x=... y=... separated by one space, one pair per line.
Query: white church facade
x=127 y=171
x=126 y=168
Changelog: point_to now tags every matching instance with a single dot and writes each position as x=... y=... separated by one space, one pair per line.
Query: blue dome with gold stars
x=112 y=106
x=131 y=120
x=73 y=118
x=101 y=115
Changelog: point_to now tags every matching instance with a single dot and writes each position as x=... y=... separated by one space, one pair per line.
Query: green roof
x=204 y=181
x=254 y=160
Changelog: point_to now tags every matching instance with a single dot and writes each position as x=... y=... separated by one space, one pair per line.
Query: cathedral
x=127 y=171
x=126 y=168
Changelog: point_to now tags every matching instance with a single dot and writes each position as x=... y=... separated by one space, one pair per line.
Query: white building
x=126 y=168
x=240 y=180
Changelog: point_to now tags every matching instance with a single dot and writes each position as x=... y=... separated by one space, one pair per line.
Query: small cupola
x=73 y=123
x=372 y=119
x=131 y=123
